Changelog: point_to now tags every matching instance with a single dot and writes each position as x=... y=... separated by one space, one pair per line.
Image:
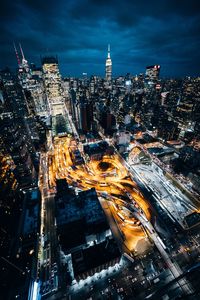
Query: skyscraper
x=14 y=98
x=53 y=85
x=13 y=135
x=24 y=72
x=86 y=114
x=108 y=66
x=152 y=73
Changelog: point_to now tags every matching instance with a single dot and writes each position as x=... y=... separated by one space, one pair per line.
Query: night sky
x=140 y=32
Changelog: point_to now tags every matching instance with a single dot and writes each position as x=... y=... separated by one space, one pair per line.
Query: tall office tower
x=10 y=211
x=8 y=186
x=53 y=85
x=92 y=85
x=108 y=66
x=108 y=121
x=7 y=166
x=74 y=107
x=35 y=95
x=13 y=135
x=115 y=104
x=187 y=109
x=24 y=72
x=86 y=115
x=19 y=101
x=14 y=97
x=152 y=73
x=81 y=110
x=30 y=79
x=85 y=79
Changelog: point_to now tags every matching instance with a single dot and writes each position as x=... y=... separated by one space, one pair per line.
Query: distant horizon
x=140 y=33
x=102 y=74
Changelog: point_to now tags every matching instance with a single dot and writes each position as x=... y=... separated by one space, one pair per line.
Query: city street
x=112 y=184
x=48 y=242
x=128 y=212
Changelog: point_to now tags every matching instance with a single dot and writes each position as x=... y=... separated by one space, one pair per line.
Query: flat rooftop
x=160 y=151
x=78 y=216
x=94 y=148
x=61 y=125
x=95 y=256
x=192 y=219
x=49 y=60
x=32 y=210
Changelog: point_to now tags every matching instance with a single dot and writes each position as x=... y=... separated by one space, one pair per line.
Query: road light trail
x=91 y=176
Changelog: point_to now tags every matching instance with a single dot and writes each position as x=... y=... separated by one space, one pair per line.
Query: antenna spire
x=108 y=50
x=22 y=53
x=16 y=53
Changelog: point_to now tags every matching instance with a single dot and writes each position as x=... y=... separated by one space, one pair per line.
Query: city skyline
x=99 y=184
x=78 y=32
x=99 y=150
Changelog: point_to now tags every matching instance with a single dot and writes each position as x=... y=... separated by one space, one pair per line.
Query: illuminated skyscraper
x=24 y=72
x=53 y=85
x=108 y=66
x=14 y=136
x=152 y=73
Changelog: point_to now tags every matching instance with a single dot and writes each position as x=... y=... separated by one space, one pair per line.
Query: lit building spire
x=24 y=71
x=22 y=53
x=108 y=66
x=24 y=61
x=17 y=55
x=108 y=50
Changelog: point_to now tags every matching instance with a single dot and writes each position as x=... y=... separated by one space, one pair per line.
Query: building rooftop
x=160 y=151
x=61 y=125
x=192 y=219
x=95 y=256
x=49 y=60
x=85 y=205
x=94 y=148
x=78 y=216
x=32 y=210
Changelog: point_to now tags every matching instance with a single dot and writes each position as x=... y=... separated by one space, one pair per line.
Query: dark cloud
x=140 y=33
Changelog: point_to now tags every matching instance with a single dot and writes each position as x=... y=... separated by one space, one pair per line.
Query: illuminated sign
x=158 y=86
x=128 y=82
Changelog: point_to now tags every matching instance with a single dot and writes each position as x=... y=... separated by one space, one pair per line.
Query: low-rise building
x=84 y=233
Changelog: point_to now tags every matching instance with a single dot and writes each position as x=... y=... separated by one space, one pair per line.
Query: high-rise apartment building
x=86 y=115
x=14 y=136
x=152 y=73
x=13 y=94
x=7 y=166
x=53 y=85
x=35 y=95
x=108 y=66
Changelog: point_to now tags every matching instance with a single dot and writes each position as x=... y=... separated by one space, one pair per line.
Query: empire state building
x=108 y=66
